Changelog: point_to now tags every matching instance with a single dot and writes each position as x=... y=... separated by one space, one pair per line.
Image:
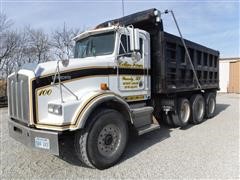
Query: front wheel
x=103 y=142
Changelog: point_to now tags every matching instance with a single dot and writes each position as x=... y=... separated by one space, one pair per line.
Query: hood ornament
x=16 y=71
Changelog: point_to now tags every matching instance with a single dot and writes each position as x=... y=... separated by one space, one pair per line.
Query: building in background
x=229 y=75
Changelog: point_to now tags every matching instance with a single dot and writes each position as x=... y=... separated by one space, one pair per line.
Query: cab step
x=147 y=128
x=143 y=120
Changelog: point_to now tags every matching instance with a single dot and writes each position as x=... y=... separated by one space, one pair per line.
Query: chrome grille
x=18 y=97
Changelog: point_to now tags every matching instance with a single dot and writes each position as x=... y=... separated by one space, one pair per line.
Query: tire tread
x=192 y=102
x=82 y=148
x=206 y=97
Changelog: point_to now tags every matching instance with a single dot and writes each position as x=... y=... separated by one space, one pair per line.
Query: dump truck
x=127 y=74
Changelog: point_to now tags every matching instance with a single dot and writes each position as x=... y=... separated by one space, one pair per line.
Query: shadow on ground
x=136 y=144
x=220 y=108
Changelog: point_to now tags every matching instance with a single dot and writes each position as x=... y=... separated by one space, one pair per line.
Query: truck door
x=132 y=73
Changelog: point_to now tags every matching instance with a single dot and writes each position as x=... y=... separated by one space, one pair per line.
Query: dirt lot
x=208 y=150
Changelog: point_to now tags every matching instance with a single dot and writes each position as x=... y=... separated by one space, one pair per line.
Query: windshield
x=95 y=45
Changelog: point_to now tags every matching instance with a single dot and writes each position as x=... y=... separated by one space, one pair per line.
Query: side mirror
x=134 y=39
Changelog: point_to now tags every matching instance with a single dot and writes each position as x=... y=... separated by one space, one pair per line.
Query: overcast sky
x=211 y=23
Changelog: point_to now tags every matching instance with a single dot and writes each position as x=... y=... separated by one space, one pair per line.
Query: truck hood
x=49 y=67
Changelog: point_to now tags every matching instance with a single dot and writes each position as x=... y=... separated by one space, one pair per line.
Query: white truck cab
x=103 y=64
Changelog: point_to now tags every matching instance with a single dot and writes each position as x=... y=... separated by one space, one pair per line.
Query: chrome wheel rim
x=109 y=140
x=185 y=112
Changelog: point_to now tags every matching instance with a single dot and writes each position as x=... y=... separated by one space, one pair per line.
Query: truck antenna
x=184 y=44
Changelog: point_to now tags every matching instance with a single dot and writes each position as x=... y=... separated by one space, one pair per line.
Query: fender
x=88 y=106
x=96 y=102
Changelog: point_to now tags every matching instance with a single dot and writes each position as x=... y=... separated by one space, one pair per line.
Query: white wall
x=224 y=75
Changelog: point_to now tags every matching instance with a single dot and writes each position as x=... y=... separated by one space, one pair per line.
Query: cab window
x=95 y=45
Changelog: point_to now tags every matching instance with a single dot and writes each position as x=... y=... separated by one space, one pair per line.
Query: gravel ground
x=208 y=150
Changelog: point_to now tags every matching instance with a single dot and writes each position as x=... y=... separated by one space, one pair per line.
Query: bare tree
x=37 y=47
x=62 y=43
x=8 y=46
x=29 y=45
x=22 y=52
x=5 y=23
x=8 y=39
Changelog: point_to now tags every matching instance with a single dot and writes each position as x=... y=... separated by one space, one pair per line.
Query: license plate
x=42 y=143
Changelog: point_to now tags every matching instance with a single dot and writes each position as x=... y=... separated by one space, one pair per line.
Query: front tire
x=103 y=142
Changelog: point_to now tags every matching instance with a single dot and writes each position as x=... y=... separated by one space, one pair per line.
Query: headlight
x=55 y=109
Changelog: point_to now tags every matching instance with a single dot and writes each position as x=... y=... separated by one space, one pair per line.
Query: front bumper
x=30 y=136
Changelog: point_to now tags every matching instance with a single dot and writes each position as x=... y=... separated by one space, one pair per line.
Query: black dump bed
x=171 y=71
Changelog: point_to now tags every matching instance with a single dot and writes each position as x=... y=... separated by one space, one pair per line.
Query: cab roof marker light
x=156 y=13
